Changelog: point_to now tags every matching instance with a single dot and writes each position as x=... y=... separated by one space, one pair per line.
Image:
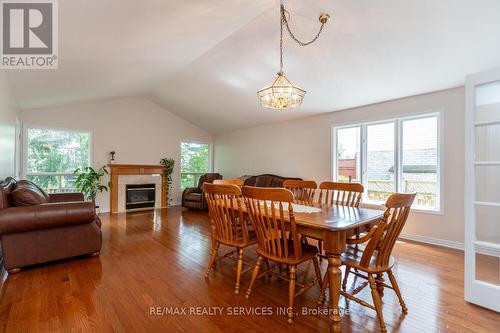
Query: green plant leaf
x=89 y=180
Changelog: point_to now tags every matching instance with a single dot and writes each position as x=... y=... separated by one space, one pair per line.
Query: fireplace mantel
x=133 y=169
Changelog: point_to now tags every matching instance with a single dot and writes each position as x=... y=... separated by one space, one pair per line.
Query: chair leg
x=320 y=246
x=377 y=302
x=346 y=276
x=380 y=284
x=213 y=258
x=291 y=293
x=239 y=267
x=324 y=285
x=318 y=272
x=254 y=276
x=398 y=292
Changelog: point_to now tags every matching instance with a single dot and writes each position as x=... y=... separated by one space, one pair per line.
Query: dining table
x=333 y=224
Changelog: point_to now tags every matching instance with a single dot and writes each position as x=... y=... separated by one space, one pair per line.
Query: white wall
x=302 y=148
x=140 y=132
x=8 y=115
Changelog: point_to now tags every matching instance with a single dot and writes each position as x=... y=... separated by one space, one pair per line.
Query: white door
x=482 y=191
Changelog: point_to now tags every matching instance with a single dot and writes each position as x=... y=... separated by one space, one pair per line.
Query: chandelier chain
x=281 y=37
x=285 y=21
x=283 y=94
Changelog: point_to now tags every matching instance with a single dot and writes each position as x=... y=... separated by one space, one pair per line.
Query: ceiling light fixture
x=283 y=94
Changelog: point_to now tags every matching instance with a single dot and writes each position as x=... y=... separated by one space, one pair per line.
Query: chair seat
x=193 y=197
x=308 y=252
x=252 y=239
x=352 y=258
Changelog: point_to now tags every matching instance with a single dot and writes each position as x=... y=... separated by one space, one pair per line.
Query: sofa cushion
x=249 y=180
x=23 y=182
x=193 y=197
x=264 y=181
x=27 y=194
x=277 y=182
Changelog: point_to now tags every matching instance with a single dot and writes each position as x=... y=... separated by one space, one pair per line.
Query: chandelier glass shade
x=281 y=94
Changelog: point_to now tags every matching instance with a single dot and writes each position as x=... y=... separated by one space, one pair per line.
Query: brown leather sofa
x=266 y=180
x=193 y=197
x=36 y=227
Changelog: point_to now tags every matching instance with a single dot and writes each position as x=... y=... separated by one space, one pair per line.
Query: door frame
x=475 y=291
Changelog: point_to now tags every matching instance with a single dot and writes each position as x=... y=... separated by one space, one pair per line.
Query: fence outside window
x=54 y=182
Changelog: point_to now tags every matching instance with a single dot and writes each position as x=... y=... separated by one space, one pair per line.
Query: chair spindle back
x=303 y=190
x=226 y=214
x=343 y=194
x=270 y=210
x=388 y=230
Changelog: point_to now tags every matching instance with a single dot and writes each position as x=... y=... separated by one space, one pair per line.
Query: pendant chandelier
x=282 y=93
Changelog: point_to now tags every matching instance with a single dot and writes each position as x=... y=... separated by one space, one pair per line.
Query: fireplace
x=140 y=196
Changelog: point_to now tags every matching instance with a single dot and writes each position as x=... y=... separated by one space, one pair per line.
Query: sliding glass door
x=482 y=199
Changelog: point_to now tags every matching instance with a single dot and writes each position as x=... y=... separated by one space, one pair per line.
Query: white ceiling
x=205 y=60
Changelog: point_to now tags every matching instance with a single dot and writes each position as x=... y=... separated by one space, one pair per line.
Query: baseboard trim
x=481 y=247
x=434 y=241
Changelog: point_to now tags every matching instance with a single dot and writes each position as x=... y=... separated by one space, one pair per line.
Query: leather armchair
x=193 y=197
x=63 y=226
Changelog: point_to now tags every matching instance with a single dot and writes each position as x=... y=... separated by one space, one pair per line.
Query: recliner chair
x=193 y=197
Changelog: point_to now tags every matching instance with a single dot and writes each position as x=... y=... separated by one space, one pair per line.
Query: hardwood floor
x=158 y=259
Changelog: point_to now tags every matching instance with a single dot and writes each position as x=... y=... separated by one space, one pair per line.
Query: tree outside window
x=195 y=161
x=53 y=155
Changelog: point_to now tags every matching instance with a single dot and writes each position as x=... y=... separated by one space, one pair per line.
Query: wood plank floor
x=158 y=259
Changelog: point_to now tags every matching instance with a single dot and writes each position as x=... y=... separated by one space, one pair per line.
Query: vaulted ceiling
x=205 y=60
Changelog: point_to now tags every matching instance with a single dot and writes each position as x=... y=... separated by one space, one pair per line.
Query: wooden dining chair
x=228 y=225
x=374 y=257
x=303 y=190
x=236 y=181
x=342 y=194
x=271 y=213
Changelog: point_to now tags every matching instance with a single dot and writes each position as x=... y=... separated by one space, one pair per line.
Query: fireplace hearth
x=140 y=196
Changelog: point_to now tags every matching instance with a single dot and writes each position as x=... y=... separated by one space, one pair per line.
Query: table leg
x=334 y=279
x=335 y=243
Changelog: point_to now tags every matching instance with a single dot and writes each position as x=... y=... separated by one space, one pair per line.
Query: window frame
x=25 y=144
x=398 y=154
x=210 y=159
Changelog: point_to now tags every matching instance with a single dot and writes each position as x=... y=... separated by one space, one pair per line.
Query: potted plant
x=89 y=182
x=168 y=165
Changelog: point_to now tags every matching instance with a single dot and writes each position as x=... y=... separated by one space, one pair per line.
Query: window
x=380 y=161
x=348 y=155
x=52 y=156
x=420 y=160
x=396 y=155
x=195 y=161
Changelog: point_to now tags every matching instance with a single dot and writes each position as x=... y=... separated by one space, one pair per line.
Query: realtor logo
x=29 y=38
